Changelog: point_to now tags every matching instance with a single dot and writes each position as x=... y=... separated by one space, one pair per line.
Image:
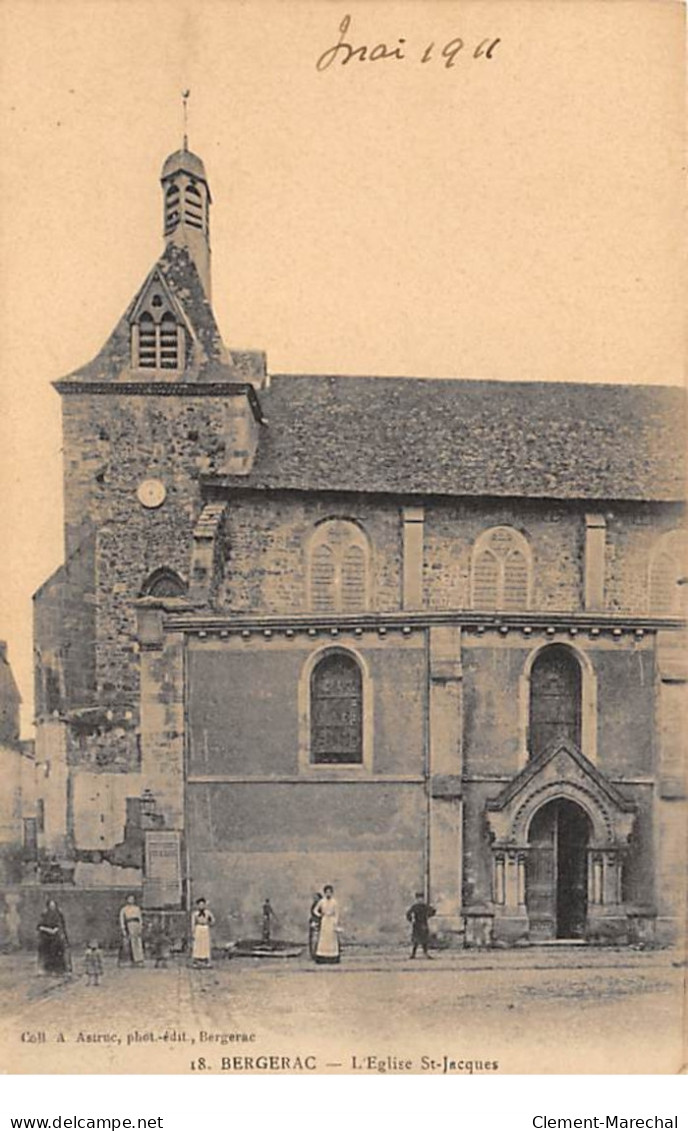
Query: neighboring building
x=16 y=766
x=380 y=633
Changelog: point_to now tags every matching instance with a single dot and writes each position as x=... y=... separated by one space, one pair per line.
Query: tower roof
x=183 y=161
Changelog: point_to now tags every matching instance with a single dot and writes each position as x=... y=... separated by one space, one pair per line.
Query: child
x=161 y=949
x=93 y=963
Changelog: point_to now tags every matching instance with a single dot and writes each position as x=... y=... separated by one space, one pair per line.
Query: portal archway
x=575 y=825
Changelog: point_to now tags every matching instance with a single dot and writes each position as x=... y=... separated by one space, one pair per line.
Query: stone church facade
x=388 y=634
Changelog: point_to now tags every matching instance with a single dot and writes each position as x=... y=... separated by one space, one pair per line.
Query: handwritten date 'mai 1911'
x=343 y=52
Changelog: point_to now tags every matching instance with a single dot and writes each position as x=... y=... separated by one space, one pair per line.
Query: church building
x=390 y=634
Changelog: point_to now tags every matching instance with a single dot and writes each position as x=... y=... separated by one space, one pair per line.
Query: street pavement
x=542 y=1009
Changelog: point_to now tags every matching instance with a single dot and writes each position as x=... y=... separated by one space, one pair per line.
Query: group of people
x=54 y=952
x=324 y=930
x=324 y=935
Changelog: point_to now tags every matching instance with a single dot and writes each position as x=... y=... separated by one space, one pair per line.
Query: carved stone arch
x=534 y=895
x=560 y=773
x=597 y=812
x=163 y=582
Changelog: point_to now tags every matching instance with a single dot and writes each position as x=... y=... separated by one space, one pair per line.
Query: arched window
x=193 y=206
x=168 y=341
x=555 y=699
x=338 y=568
x=147 y=342
x=163 y=582
x=171 y=208
x=667 y=569
x=336 y=711
x=156 y=337
x=501 y=575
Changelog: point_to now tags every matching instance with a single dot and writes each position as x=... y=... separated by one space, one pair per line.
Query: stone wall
x=87 y=913
x=632 y=534
x=268 y=538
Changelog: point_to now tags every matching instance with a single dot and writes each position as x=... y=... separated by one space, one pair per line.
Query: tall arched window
x=336 y=711
x=168 y=341
x=147 y=342
x=555 y=699
x=501 y=574
x=338 y=568
x=667 y=569
x=171 y=208
x=193 y=206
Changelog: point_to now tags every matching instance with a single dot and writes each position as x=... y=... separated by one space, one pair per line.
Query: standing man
x=418 y=916
x=268 y=920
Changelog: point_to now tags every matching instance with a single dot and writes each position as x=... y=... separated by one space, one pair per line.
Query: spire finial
x=185 y=99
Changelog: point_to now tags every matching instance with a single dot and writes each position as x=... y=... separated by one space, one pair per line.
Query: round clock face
x=151 y=493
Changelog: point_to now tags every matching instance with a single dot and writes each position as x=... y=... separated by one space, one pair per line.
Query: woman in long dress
x=52 y=940
x=131 y=929
x=313 y=924
x=201 y=922
x=327 y=949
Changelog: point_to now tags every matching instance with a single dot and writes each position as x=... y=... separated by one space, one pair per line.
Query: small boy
x=161 y=949
x=93 y=963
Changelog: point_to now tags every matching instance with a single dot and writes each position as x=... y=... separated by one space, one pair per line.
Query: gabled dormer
x=169 y=333
x=160 y=331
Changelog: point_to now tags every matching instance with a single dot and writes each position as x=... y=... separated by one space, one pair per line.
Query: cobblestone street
x=546 y=1009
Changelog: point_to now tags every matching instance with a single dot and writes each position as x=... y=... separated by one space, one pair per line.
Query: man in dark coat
x=418 y=916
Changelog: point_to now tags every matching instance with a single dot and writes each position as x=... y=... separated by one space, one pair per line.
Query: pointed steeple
x=186 y=205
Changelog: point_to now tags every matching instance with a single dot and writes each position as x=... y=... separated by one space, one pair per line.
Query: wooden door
x=541 y=872
x=572 y=828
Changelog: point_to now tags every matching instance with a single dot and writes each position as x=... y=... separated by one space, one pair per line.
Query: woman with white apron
x=327 y=949
x=131 y=930
x=201 y=922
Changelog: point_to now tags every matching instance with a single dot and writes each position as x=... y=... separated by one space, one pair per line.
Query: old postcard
x=343 y=593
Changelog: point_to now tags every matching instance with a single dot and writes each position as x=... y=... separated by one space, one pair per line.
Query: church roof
x=470 y=437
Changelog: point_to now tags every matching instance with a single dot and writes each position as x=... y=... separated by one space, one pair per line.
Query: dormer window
x=157 y=339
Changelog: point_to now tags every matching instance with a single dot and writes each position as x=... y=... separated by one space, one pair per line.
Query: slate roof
x=183 y=159
x=465 y=437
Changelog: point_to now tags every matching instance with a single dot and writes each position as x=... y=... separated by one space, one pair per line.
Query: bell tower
x=186 y=207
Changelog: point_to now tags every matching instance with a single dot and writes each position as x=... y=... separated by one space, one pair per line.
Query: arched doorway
x=557 y=871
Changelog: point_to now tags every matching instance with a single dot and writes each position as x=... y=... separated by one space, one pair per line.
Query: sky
x=516 y=217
